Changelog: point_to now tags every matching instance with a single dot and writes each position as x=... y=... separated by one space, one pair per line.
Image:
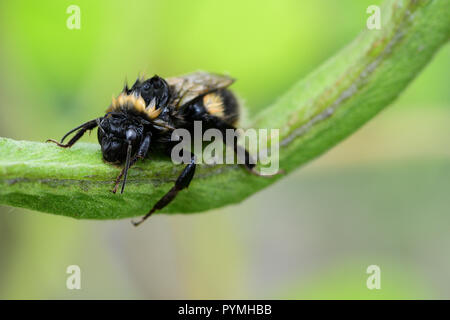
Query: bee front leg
x=81 y=131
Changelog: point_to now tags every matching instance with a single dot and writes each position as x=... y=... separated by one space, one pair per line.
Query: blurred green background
x=381 y=197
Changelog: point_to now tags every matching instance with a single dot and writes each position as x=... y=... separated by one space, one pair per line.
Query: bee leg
x=119 y=177
x=141 y=154
x=183 y=181
x=82 y=129
x=249 y=163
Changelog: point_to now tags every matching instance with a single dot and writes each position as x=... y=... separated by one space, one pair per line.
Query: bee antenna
x=127 y=166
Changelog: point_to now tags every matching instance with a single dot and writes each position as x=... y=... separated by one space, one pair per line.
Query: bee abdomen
x=222 y=104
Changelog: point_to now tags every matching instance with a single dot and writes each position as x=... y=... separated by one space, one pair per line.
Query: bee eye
x=145 y=86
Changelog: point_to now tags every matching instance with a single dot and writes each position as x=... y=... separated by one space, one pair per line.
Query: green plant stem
x=313 y=116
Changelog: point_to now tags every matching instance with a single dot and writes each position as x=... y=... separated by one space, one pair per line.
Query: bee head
x=153 y=88
x=119 y=135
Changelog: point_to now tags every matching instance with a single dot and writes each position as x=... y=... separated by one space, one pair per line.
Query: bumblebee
x=142 y=118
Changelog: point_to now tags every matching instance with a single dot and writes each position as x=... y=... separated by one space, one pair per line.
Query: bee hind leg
x=183 y=181
x=249 y=162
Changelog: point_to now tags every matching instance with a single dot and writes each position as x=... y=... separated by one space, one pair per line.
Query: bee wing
x=188 y=87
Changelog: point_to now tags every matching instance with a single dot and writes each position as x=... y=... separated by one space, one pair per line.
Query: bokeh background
x=381 y=197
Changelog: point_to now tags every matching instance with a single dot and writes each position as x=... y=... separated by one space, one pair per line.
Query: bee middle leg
x=182 y=182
